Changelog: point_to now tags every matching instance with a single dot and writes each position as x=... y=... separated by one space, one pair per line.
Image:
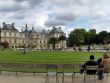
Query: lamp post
x=14 y=48
x=25 y=46
x=14 y=45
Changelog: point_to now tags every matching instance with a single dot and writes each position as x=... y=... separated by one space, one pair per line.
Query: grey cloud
x=60 y=19
x=19 y=0
x=66 y=17
x=86 y=2
x=63 y=12
x=32 y=3
x=49 y=23
x=19 y=16
x=9 y=9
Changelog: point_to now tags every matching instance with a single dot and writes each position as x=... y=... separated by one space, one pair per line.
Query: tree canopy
x=4 y=44
x=84 y=37
x=53 y=41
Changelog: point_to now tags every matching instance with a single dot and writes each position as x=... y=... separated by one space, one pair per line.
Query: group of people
x=102 y=63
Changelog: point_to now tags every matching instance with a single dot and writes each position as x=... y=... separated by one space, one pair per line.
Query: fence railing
x=37 y=68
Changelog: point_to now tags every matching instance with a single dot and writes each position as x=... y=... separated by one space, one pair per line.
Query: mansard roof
x=8 y=27
x=32 y=31
x=44 y=32
x=29 y=31
x=55 y=30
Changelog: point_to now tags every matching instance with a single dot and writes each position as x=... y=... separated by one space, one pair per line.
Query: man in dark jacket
x=90 y=62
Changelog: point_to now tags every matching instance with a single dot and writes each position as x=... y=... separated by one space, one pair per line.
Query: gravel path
x=10 y=77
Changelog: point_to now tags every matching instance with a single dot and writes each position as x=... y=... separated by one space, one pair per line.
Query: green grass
x=43 y=57
x=46 y=57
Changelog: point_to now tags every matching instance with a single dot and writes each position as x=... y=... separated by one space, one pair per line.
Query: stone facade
x=29 y=38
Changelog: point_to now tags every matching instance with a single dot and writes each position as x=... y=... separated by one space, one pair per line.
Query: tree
x=76 y=37
x=92 y=31
x=108 y=38
x=103 y=35
x=5 y=44
x=70 y=40
x=90 y=37
x=53 y=41
x=81 y=36
x=62 y=38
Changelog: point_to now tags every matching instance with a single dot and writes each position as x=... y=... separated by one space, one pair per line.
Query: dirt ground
x=11 y=77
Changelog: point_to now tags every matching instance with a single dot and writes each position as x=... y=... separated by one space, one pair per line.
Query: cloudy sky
x=69 y=14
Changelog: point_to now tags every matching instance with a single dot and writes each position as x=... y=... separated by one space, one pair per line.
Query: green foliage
x=62 y=38
x=92 y=31
x=81 y=36
x=4 y=44
x=53 y=41
x=76 y=37
x=90 y=36
x=103 y=37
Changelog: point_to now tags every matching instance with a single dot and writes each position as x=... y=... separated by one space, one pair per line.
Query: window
x=36 y=35
x=21 y=35
x=44 y=41
x=40 y=41
x=14 y=34
x=4 y=33
x=23 y=41
x=7 y=34
x=15 y=41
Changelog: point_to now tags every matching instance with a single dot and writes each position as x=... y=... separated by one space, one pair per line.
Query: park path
x=7 y=77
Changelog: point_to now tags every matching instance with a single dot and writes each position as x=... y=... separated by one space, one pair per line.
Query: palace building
x=30 y=38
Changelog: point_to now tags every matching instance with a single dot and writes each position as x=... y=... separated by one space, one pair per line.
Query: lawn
x=46 y=56
x=43 y=57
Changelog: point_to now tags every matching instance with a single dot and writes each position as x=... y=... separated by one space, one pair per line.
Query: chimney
x=26 y=28
x=32 y=28
x=48 y=30
x=12 y=25
x=60 y=28
x=53 y=27
x=4 y=24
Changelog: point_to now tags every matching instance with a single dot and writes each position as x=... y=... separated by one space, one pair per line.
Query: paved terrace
x=11 y=77
x=23 y=77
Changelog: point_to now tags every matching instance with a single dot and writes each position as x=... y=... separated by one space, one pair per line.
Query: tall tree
x=62 y=38
x=92 y=31
x=76 y=37
x=5 y=44
x=103 y=35
x=90 y=37
x=53 y=41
